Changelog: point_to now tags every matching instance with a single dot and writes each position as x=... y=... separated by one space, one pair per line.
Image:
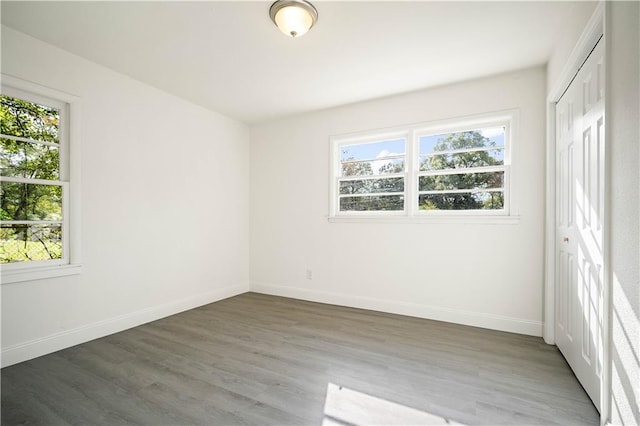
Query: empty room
x=320 y=213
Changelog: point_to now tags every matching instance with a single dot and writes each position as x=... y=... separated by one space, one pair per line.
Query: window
x=372 y=175
x=459 y=167
x=35 y=184
x=462 y=170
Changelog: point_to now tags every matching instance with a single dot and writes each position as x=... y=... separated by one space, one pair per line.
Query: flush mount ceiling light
x=293 y=17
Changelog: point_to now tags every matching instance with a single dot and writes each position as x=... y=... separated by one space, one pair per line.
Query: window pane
x=493 y=157
x=370 y=186
x=376 y=167
x=466 y=201
x=486 y=137
x=20 y=243
x=28 y=160
x=28 y=120
x=462 y=181
x=25 y=201
x=372 y=203
x=371 y=151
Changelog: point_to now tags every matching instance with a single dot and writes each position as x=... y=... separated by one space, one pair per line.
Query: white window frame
x=68 y=148
x=413 y=133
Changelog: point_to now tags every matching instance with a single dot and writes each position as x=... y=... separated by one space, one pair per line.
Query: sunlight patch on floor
x=344 y=406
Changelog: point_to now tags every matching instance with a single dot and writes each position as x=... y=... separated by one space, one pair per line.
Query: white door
x=579 y=223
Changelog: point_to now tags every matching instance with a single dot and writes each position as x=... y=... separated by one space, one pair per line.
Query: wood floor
x=257 y=359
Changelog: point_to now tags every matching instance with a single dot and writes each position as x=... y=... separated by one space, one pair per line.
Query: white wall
x=165 y=201
x=478 y=274
x=566 y=40
x=623 y=121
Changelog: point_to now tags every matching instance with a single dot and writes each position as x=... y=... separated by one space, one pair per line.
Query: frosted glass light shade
x=293 y=17
x=293 y=21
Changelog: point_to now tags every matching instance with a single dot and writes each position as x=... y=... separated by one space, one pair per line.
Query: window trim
x=412 y=134
x=69 y=149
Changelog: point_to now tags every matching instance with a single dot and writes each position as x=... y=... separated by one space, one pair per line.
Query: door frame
x=594 y=30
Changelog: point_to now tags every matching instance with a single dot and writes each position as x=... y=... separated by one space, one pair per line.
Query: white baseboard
x=55 y=342
x=475 y=319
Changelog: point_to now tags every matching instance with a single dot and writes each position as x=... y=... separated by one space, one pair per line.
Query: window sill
x=39 y=273
x=440 y=219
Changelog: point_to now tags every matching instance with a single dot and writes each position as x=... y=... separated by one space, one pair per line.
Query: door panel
x=579 y=223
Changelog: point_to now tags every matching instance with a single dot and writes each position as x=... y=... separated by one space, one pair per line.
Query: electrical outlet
x=309 y=274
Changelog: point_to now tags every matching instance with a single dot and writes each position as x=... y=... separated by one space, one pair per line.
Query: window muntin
x=34 y=185
x=452 y=168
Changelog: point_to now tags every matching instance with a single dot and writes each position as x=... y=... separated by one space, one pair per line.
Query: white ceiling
x=228 y=56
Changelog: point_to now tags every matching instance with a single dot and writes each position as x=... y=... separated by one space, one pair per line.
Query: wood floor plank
x=259 y=360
